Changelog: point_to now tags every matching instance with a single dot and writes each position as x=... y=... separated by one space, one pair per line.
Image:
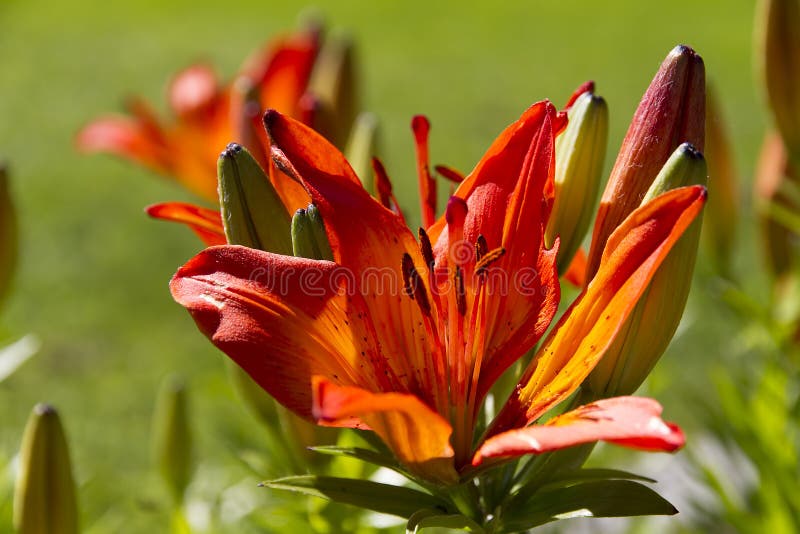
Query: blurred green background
x=92 y=280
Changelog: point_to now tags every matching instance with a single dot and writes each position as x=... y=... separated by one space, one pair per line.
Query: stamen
x=426 y=249
x=427 y=186
x=461 y=297
x=488 y=259
x=449 y=173
x=413 y=286
x=481 y=248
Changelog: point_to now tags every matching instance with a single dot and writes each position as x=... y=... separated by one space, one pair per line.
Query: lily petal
x=282 y=319
x=418 y=436
x=193 y=90
x=632 y=255
x=125 y=137
x=368 y=240
x=204 y=222
x=633 y=422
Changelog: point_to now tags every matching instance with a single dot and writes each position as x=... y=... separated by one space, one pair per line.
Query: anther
x=449 y=173
x=488 y=259
x=461 y=297
x=481 y=248
x=426 y=249
x=413 y=286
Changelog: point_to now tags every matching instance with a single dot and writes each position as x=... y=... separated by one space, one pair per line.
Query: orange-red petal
x=205 y=223
x=418 y=436
x=367 y=239
x=127 y=138
x=633 y=254
x=633 y=422
x=283 y=320
x=576 y=272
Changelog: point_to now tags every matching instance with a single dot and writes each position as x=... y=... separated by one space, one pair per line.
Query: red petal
x=282 y=319
x=204 y=222
x=583 y=88
x=127 y=138
x=367 y=239
x=193 y=90
x=632 y=255
x=629 y=421
x=418 y=436
x=576 y=272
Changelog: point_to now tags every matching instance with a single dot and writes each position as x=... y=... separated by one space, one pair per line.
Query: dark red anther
x=426 y=249
x=481 y=248
x=449 y=173
x=461 y=296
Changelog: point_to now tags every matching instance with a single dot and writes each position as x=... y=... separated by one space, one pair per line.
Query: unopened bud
x=580 y=152
x=172 y=440
x=253 y=214
x=671 y=112
x=309 y=239
x=362 y=147
x=722 y=208
x=333 y=86
x=644 y=336
x=44 y=498
x=8 y=235
x=779 y=52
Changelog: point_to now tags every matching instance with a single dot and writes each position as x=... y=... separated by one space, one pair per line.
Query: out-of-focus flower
x=406 y=337
x=671 y=112
x=722 y=210
x=648 y=330
x=8 y=234
x=44 y=498
x=580 y=152
x=208 y=115
x=778 y=37
x=774 y=183
x=172 y=438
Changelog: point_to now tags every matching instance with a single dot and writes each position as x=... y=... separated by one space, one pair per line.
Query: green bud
x=362 y=147
x=648 y=330
x=8 y=235
x=580 y=152
x=44 y=499
x=172 y=440
x=252 y=212
x=333 y=85
x=309 y=239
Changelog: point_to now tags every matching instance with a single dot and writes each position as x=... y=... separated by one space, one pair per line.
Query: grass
x=93 y=269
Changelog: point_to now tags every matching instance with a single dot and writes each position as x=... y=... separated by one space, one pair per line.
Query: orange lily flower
x=208 y=116
x=405 y=337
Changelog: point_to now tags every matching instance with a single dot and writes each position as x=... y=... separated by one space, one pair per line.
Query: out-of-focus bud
x=309 y=239
x=252 y=212
x=580 y=152
x=722 y=208
x=652 y=323
x=8 y=235
x=172 y=439
x=774 y=183
x=44 y=499
x=362 y=147
x=672 y=111
x=778 y=34
x=333 y=88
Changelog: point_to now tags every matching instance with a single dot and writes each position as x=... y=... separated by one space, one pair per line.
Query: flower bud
x=362 y=147
x=253 y=214
x=8 y=235
x=774 y=183
x=672 y=111
x=652 y=323
x=44 y=498
x=172 y=440
x=580 y=151
x=309 y=239
x=722 y=208
x=779 y=52
x=333 y=88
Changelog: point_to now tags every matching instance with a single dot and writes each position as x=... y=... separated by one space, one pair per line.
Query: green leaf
x=383 y=498
x=569 y=478
x=435 y=518
x=600 y=498
x=365 y=455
